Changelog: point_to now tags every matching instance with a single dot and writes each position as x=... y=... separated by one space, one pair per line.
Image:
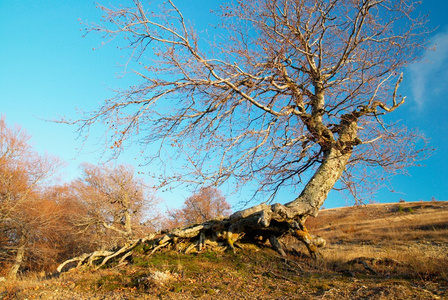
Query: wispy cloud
x=430 y=76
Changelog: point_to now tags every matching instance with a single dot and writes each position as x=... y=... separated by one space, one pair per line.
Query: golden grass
x=379 y=223
x=415 y=235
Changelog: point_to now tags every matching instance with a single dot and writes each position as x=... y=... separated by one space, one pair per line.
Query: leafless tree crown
x=280 y=84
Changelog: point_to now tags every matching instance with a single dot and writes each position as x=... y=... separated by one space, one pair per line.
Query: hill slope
x=381 y=251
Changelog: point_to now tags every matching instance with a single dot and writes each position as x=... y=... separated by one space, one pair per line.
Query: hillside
x=377 y=251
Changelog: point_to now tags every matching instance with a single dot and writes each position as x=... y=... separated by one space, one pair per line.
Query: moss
x=140 y=261
x=111 y=282
x=212 y=256
x=142 y=248
x=163 y=260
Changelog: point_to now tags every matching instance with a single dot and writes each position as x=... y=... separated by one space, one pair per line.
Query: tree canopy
x=279 y=89
x=209 y=203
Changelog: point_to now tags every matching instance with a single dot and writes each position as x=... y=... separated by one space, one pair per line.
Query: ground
x=377 y=251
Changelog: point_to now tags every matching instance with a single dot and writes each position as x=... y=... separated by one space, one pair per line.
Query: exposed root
x=311 y=242
x=159 y=247
x=276 y=245
x=79 y=259
x=123 y=251
x=258 y=223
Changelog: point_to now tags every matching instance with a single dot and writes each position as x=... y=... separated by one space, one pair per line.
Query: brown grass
x=414 y=234
x=403 y=245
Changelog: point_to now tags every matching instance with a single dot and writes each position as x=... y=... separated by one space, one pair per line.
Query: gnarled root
x=311 y=242
x=265 y=221
x=276 y=245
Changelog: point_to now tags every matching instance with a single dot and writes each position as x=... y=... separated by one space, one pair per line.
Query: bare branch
x=272 y=101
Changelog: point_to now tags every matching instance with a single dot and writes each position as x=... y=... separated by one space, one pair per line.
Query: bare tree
x=288 y=94
x=114 y=200
x=23 y=176
x=207 y=204
x=66 y=239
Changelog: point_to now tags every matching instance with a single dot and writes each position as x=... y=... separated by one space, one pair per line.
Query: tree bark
x=316 y=191
x=19 y=258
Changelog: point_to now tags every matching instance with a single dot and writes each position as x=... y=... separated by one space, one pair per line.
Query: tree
x=23 y=214
x=290 y=93
x=73 y=236
x=114 y=200
x=207 y=204
x=46 y=232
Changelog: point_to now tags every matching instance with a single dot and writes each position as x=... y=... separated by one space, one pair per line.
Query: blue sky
x=48 y=69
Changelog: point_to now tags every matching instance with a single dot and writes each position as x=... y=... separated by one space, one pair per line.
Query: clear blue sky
x=47 y=69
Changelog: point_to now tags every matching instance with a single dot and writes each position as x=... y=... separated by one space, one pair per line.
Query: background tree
x=207 y=204
x=73 y=239
x=47 y=234
x=24 y=215
x=115 y=202
x=288 y=94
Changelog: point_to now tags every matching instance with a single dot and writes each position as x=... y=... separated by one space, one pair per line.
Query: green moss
x=140 y=261
x=111 y=282
x=142 y=248
x=212 y=256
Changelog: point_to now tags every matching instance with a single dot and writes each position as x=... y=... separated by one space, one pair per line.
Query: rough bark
x=316 y=191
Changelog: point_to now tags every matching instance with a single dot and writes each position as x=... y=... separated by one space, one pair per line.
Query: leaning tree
x=278 y=93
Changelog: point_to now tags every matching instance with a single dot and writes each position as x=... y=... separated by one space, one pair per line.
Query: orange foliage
x=25 y=217
x=208 y=204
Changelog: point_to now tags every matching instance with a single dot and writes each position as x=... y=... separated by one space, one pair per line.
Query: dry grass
x=404 y=247
x=379 y=223
x=413 y=234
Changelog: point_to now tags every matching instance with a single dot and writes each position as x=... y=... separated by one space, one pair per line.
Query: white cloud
x=430 y=76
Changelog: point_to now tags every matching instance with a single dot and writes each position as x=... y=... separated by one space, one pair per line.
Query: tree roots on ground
x=254 y=225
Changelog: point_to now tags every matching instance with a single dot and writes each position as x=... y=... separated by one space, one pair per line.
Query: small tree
x=207 y=204
x=114 y=200
x=74 y=238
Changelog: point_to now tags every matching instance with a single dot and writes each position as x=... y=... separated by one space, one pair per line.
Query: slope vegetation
x=378 y=251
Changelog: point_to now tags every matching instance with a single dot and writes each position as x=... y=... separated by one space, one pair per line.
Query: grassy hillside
x=381 y=251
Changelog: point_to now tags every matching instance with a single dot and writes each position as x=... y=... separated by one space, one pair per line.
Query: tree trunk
x=19 y=258
x=127 y=223
x=127 y=215
x=316 y=191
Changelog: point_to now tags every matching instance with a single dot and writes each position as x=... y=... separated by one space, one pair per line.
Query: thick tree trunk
x=316 y=191
x=273 y=219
